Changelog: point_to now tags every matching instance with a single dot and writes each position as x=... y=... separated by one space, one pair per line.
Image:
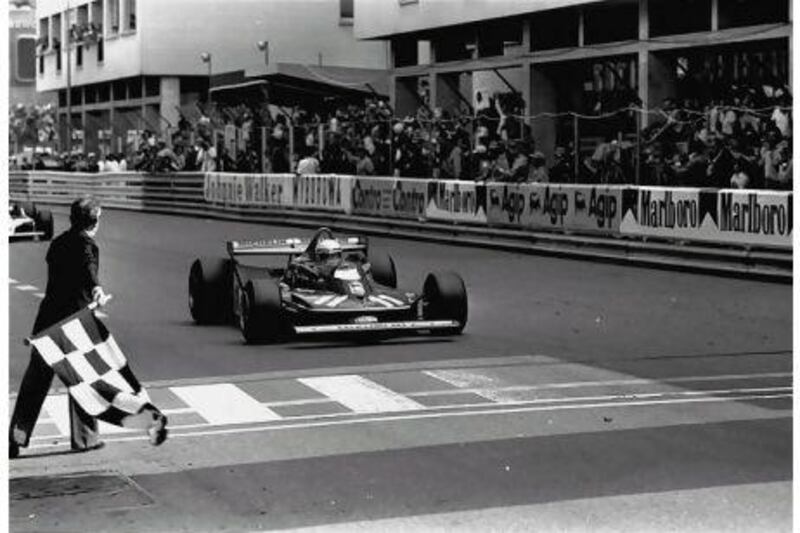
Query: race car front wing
x=405 y=325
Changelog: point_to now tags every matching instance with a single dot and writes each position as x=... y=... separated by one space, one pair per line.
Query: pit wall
x=751 y=218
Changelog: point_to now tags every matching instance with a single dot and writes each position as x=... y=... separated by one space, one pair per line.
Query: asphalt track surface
x=582 y=396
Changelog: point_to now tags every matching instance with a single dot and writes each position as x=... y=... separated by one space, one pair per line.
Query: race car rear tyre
x=445 y=297
x=44 y=223
x=210 y=290
x=260 y=320
x=383 y=270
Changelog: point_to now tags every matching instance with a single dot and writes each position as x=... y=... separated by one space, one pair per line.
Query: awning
x=297 y=84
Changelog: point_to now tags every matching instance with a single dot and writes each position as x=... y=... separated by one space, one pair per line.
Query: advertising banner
x=755 y=217
x=567 y=207
x=326 y=192
x=392 y=197
x=725 y=216
x=456 y=201
x=248 y=189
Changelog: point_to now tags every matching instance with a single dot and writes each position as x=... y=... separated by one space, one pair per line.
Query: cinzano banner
x=386 y=196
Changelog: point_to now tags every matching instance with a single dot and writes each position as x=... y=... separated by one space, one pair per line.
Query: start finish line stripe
x=224 y=403
x=360 y=394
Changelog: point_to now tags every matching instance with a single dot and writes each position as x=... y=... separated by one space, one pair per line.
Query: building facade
x=123 y=66
x=582 y=59
x=22 y=53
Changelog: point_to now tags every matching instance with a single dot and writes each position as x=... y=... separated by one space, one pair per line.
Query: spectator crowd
x=743 y=141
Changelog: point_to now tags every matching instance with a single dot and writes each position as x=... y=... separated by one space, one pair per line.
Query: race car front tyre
x=29 y=208
x=260 y=320
x=383 y=270
x=445 y=298
x=44 y=223
x=210 y=290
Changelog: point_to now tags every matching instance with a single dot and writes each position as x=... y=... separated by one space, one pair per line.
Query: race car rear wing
x=289 y=246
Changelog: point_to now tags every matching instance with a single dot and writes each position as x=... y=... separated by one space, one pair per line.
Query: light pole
x=69 y=82
x=206 y=58
x=264 y=47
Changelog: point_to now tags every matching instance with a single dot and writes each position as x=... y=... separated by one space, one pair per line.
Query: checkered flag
x=82 y=352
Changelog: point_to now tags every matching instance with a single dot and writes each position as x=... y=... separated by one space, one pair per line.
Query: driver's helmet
x=328 y=251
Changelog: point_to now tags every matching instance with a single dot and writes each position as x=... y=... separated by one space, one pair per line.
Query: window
x=407 y=2
x=104 y=92
x=152 y=86
x=56 y=29
x=130 y=23
x=113 y=17
x=405 y=52
x=734 y=13
x=554 y=29
x=120 y=90
x=44 y=34
x=41 y=64
x=26 y=59
x=455 y=43
x=100 y=50
x=495 y=36
x=670 y=17
x=79 y=55
x=346 y=9
x=90 y=94
x=611 y=23
x=134 y=87
x=62 y=98
x=58 y=59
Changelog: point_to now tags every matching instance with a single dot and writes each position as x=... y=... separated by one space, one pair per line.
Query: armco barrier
x=584 y=208
x=749 y=217
x=732 y=217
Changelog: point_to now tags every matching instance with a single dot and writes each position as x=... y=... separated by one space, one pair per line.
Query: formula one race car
x=329 y=286
x=26 y=221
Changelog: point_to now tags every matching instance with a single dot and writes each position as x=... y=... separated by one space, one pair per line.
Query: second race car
x=329 y=285
x=25 y=220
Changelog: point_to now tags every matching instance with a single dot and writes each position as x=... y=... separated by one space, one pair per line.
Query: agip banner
x=392 y=197
x=273 y=190
x=456 y=201
x=566 y=207
x=724 y=216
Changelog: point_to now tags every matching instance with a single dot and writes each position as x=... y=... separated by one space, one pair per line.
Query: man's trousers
x=32 y=393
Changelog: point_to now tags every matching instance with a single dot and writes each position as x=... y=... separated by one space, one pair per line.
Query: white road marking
x=39 y=294
x=489 y=382
x=479 y=383
x=360 y=394
x=57 y=406
x=27 y=288
x=224 y=403
x=100 y=314
x=394 y=417
x=12 y=281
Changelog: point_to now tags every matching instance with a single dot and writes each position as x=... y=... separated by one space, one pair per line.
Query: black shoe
x=158 y=431
x=13 y=450
x=91 y=448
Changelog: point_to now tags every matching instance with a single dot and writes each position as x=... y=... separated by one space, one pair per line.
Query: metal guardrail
x=183 y=194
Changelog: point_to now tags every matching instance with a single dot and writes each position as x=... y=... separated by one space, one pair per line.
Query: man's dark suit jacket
x=72 y=264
